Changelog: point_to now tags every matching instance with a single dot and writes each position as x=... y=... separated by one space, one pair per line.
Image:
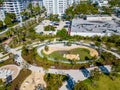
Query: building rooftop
x=81 y=25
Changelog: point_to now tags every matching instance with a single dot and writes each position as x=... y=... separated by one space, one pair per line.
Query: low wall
x=89 y=34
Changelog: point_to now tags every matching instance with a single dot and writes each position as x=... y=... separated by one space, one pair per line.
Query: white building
x=58 y=6
x=2 y=15
x=55 y=6
x=13 y=6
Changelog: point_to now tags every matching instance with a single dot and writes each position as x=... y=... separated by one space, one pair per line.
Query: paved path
x=113 y=53
x=4 y=57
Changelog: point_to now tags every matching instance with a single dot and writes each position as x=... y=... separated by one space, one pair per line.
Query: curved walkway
x=113 y=53
x=41 y=47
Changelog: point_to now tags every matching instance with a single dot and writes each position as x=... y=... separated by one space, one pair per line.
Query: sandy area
x=59 y=47
x=71 y=56
x=33 y=80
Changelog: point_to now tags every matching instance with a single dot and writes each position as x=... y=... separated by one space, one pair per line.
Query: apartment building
x=55 y=6
x=13 y=6
x=58 y=6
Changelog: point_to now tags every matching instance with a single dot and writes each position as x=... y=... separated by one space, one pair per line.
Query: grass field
x=105 y=83
x=84 y=54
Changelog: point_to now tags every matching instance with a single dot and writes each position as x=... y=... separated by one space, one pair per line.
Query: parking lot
x=58 y=26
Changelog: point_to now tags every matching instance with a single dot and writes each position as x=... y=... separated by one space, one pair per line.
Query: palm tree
x=8 y=33
x=1 y=3
x=94 y=74
x=30 y=7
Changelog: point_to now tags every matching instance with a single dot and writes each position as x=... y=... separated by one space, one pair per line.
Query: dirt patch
x=33 y=80
x=71 y=56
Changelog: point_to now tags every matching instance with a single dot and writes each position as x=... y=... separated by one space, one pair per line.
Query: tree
x=7 y=20
x=106 y=10
x=11 y=15
x=43 y=9
x=81 y=8
x=97 y=43
x=107 y=57
x=24 y=50
x=25 y=14
x=36 y=9
x=49 y=28
x=54 y=17
x=80 y=86
x=62 y=34
x=46 y=48
x=116 y=67
x=54 y=81
x=114 y=3
x=1 y=24
x=1 y=2
x=94 y=74
x=40 y=19
x=69 y=13
x=30 y=7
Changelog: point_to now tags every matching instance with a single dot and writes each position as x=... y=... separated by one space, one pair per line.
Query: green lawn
x=104 y=83
x=84 y=54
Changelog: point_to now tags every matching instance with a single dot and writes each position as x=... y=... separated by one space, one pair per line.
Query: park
x=67 y=52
